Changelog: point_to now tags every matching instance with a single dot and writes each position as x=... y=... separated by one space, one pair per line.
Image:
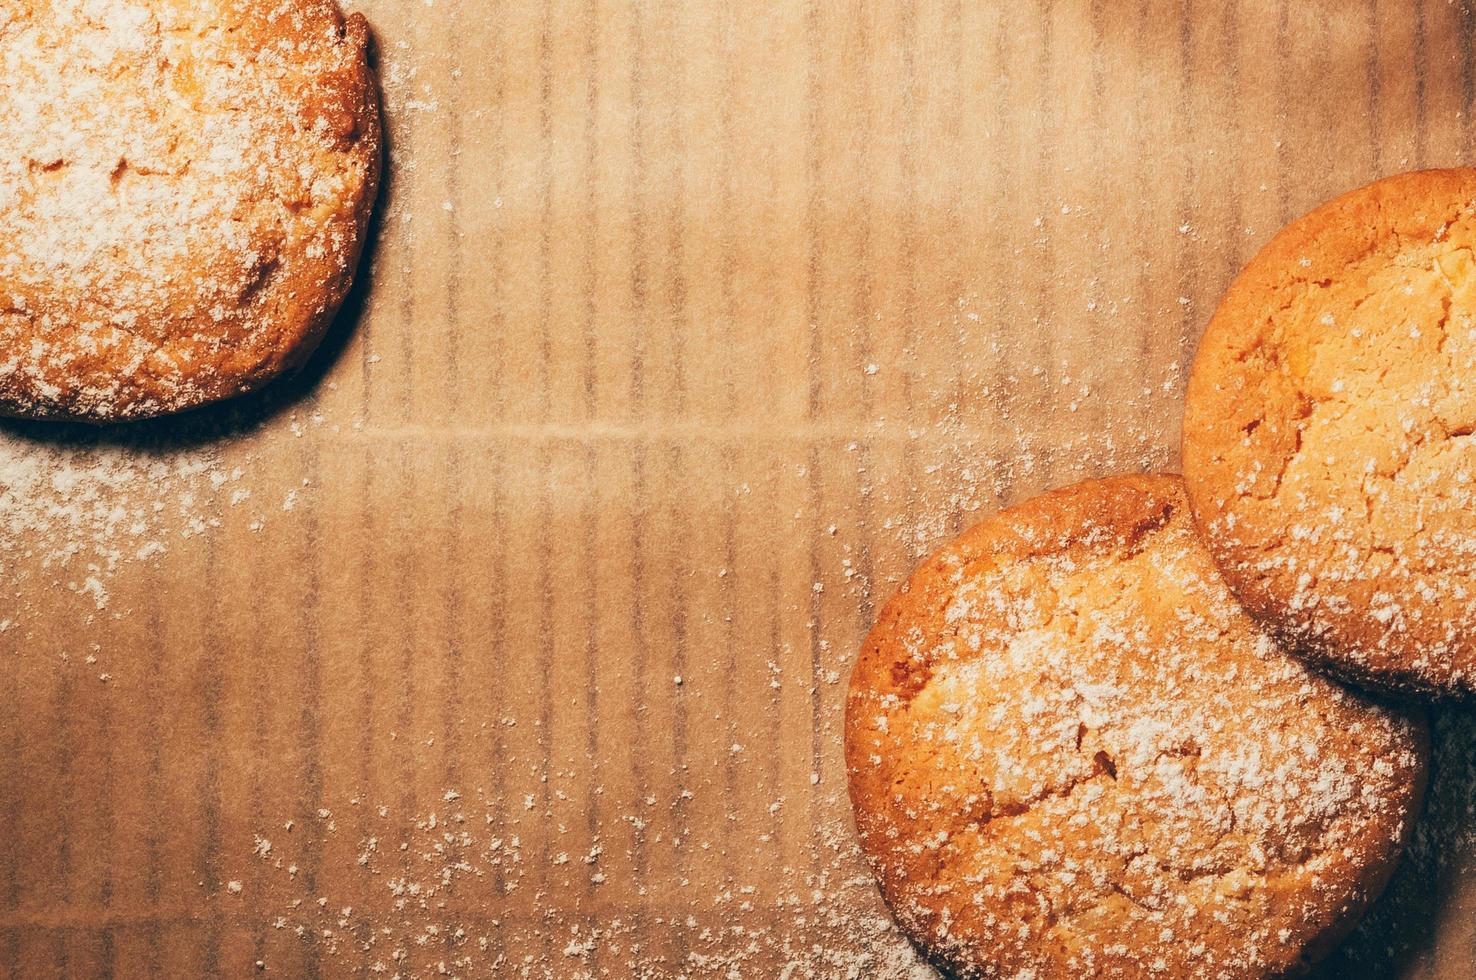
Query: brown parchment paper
x=511 y=638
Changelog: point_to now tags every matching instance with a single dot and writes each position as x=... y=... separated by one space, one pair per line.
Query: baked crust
x=1072 y=754
x=1328 y=447
x=184 y=204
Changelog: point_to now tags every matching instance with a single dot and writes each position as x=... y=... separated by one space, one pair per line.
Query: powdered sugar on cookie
x=1327 y=443
x=183 y=208
x=1072 y=753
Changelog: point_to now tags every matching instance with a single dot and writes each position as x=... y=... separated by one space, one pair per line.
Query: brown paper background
x=689 y=328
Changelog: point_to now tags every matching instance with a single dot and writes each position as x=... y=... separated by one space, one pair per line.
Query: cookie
x=1072 y=754
x=1328 y=440
x=184 y=192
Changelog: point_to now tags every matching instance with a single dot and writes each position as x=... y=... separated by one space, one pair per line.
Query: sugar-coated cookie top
x=1072 y=754
x=1328 y=439
x=184 y=186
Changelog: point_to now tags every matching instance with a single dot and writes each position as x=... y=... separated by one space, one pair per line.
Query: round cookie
x=184 y=192
x=1071 y=754
x=1328 y=438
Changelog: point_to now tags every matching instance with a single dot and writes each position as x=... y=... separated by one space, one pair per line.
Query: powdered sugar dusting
x=79 y=508
x=460 y=890
x=80 y=513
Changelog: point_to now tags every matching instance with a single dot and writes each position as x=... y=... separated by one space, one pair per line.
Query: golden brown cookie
x=1328 y=446
x=184 y=193
x=1072 y=754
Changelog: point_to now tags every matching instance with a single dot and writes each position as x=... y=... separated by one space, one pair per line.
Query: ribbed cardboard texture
x=511 y=639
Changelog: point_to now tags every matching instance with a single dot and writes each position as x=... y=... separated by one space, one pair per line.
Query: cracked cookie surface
x=1072 y=754
x=185 y=187
x=1328 y=436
